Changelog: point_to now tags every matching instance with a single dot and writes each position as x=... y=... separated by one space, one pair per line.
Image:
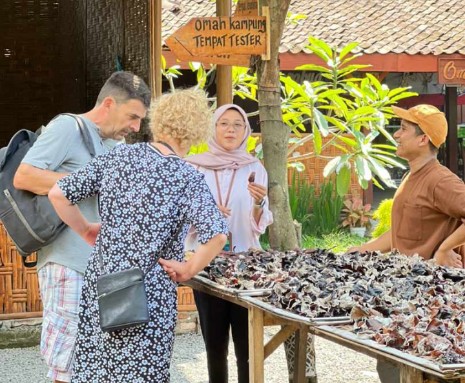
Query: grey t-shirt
x=61 y=148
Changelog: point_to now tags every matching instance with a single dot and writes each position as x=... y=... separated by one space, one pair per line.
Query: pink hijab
x=218 y=158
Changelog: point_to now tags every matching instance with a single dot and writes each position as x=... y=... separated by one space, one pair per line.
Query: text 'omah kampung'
x=230 y=24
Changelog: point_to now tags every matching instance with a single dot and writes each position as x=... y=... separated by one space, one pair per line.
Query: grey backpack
x=29 y=219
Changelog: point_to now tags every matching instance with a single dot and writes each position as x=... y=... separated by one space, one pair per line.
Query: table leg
x=283 y=334
x=410 y=374
x=256 y=346
x=300 y=354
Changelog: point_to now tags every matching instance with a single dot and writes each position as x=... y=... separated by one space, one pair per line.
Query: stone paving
x=334 y=363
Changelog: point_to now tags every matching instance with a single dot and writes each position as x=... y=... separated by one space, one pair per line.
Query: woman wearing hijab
x=238 y=182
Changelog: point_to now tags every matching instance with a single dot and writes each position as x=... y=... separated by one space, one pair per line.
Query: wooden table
x=412 y=369
x=258 y=320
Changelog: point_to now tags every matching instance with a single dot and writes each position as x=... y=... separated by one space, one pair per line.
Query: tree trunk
x=275 y=133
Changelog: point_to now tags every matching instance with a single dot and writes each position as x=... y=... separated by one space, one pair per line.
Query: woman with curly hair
x=147 y=193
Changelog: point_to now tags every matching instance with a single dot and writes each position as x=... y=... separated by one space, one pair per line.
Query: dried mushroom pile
x=402 y=302
x=250 y=270
x=430 y=324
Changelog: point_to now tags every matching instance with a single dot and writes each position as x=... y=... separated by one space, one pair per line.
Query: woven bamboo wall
x=19 y=289
x=42 y=62
x=117 y=33
x=42 y=73
x=186 y=299
x=137 y=38
x=104 y=43
x=117 y=38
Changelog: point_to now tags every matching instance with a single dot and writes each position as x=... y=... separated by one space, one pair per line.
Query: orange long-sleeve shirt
x=428 y=207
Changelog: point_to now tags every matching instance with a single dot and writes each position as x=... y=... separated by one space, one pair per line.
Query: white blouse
x=244 y=230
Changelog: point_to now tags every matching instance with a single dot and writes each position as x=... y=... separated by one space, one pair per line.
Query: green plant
x=383 y=215
x=325 y=210
x=317 y=212
x=301 y=194
x=350 y=110
x=356 y=214
x=337 y=241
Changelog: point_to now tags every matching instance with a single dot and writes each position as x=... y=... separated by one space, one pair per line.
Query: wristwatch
x=260 y=204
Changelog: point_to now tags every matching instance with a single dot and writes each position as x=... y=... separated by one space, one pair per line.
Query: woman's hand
x=177 y=271
x=183 y=271
x=257 y=192
x=90 y=235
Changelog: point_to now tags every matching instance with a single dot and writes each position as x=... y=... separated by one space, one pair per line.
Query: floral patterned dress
x=144 y=198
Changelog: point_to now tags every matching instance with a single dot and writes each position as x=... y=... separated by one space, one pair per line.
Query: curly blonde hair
x=183 y=115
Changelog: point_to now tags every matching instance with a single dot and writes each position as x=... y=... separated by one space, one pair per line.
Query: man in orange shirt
x=429 y=206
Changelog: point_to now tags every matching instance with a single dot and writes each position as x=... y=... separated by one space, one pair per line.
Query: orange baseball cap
x=430 y=120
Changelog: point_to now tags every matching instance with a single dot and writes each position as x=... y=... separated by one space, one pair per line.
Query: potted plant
x=356 y=216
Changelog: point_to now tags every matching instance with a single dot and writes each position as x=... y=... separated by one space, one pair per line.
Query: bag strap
x=29 y=264
x=84 y=132
x=83 y=129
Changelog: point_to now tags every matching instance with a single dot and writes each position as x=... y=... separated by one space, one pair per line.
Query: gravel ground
x=335 y=364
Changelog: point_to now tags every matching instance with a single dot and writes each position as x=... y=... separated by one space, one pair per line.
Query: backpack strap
x=82 y=128
x=84 y=132
x=29 y=264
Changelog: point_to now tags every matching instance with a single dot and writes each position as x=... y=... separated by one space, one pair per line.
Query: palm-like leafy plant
x=353 y=110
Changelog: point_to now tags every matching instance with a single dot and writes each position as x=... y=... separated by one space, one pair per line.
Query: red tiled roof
x=380 y=26
x=436 y=99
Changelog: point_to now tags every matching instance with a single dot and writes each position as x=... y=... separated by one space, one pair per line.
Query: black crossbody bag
x=122 y=299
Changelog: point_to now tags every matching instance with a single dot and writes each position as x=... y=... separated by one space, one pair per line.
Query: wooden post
x=265 y=11
x=256 y=349
x=451 y=140
x=155 y=47
x=410 y=374
x=283 y=334
x=367 y=194
x=300 y=354
x=223 y=72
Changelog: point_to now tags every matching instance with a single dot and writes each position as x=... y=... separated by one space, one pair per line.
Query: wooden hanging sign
x=211 y=36
x=184 y=55
x=451 y=71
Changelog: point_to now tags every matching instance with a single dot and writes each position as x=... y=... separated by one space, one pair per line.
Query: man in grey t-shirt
x=121 y=105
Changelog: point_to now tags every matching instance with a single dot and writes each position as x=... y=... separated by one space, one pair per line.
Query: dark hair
x=420 y=132
x=125 y=86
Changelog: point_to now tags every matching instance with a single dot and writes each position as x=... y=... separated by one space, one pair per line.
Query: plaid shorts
x=60 y=289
